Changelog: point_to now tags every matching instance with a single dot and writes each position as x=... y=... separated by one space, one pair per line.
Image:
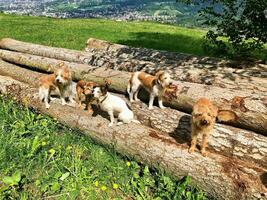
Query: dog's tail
x=226 y=115
x=136 y=121
x=130 y=84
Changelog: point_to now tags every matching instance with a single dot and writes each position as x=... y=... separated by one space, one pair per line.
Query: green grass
x=73 y=33
x=41 y=158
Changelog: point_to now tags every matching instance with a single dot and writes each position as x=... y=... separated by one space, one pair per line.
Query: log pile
x=184 y=67
x=236 y=167
x=250 y=109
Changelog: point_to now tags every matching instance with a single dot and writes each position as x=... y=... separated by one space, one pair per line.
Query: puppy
x=155 y=85
x=114 y=105
x=203 y=119
x=84 y=88
x=61 y=79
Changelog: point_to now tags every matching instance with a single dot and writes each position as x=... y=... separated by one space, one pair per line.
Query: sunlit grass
x=73 y=33
x=43 y=159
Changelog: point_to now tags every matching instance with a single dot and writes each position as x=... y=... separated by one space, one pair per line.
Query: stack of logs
x=237 y=164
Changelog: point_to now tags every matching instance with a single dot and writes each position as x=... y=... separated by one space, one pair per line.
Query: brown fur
x=203 y=119
x=85 y=88
x=49 y=81
x=148 y=80
x=226 y=115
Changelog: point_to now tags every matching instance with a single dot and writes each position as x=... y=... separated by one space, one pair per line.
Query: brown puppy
x=85 y=88
x=203 y=119
x=61 y=79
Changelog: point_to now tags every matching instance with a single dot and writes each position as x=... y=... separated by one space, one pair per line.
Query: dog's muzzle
x=58 y=80
x=204 y=122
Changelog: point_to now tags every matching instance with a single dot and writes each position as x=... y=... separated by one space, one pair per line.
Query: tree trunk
x=219 y=176
x=250 y=109
x=228 y=141
x=184 y=67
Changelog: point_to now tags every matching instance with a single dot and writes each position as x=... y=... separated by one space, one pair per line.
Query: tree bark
x=225 y=140
x=219 y=176
x=250 y=109
x=183 y=67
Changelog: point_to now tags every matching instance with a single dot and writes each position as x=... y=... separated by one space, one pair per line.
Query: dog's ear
x=108 y=82
x=159 y=75
x=104 y=89
x=61 y=64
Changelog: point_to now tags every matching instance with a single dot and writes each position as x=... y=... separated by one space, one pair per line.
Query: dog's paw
x=90 y=110
x=47 y=106
x=191 y=150
x=204 y=153
x=119 y=123
x=162 y=107
x=110 y=124
x=150 y=108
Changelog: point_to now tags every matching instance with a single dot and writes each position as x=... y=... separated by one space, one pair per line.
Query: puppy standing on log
x=155 y=85
x=203 y=119
x=86 y=89
x=114 y=105
x=61 y=79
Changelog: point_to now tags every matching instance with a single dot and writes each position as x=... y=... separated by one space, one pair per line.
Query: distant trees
x=242 y=22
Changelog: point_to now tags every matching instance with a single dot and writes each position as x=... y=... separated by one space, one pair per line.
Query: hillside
x=73 y=33
x=167 y=11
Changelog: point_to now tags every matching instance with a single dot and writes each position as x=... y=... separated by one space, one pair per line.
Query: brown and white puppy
x=155 y=85
x=61 y=79
x=203 y=119
x=84 y=88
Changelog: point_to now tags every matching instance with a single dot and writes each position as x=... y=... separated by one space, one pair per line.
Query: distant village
x=37 y=8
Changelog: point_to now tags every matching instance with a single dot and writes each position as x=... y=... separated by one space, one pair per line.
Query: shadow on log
x=250 y=109
x=219 y=176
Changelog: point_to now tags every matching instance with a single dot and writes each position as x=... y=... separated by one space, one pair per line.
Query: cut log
x=184 y=67
x=250 y=109
x=218 y=176
x=228 y=141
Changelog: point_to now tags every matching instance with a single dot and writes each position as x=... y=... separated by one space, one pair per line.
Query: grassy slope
x=41 y=158
x=73 y=33
x=56 y=162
